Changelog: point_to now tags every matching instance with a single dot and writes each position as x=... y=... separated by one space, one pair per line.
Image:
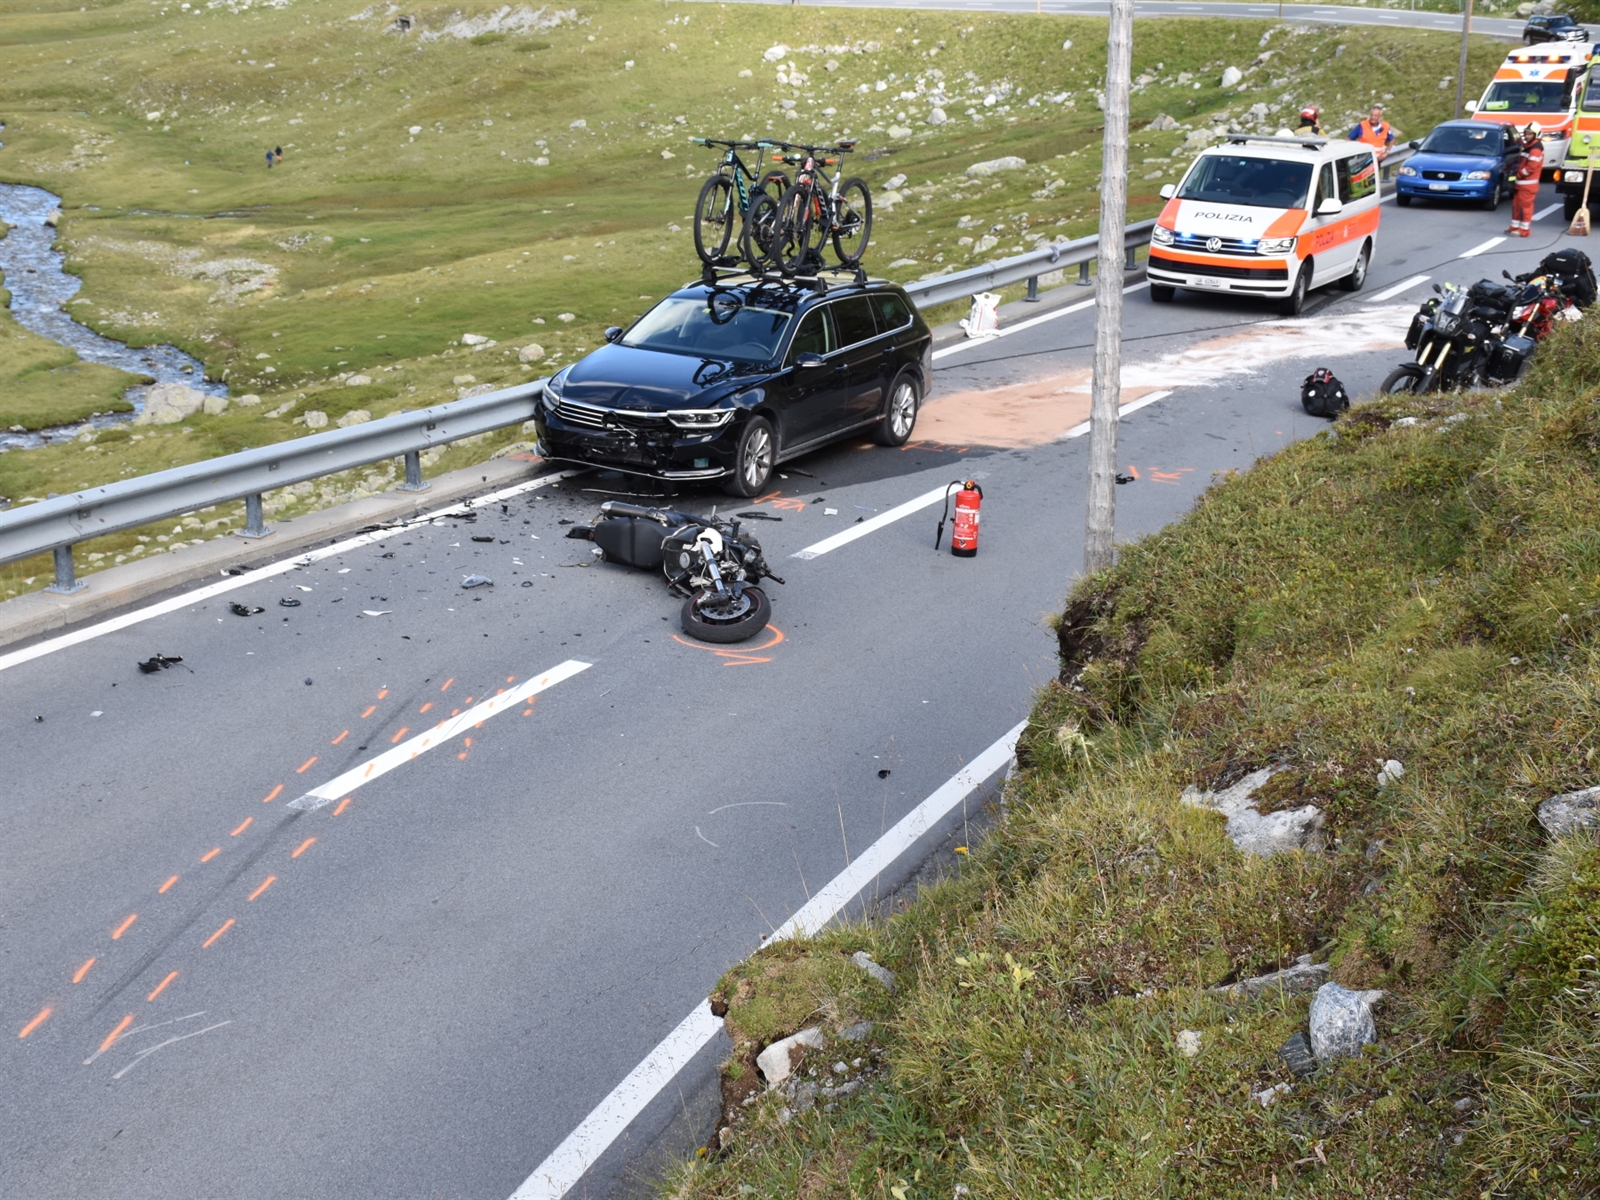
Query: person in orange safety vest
x=1375 y=131
x=1529 y=167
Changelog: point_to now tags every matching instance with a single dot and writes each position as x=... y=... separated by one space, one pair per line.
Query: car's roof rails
x=1305 y=143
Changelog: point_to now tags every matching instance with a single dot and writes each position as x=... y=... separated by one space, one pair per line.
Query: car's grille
x=592 y=416
x=1445 y=176
x=1202 y=244
x=1217 y=270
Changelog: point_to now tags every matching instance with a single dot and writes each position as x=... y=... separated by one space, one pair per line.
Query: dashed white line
x=1389 y=293
x=1481 y=247
x=1545 y=212
x=582 y=1148
x=1132 y=406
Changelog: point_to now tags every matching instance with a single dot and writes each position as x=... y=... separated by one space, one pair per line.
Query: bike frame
x=732 y=164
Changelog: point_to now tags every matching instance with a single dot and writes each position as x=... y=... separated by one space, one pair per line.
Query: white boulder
x=1275 y=833
x=215 y=406
x=994 y=166
x=1571 y=812
x=774 y=1062
x=359 y=416
x=169 y=403
x=473 y=339
x=358 y=381
x=775 y=53
x=532 y=352
x=315 y=419
x=1231 y=77
x=1341 y=1021
x=937 y=116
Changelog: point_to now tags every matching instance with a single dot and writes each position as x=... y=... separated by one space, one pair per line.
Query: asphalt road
x=421 y=990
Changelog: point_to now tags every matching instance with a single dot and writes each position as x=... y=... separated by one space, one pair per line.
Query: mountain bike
x=725 y=198
x=810 y=212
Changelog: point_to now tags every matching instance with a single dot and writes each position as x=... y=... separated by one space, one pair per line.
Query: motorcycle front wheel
x=1405 y=378
x=713 y=616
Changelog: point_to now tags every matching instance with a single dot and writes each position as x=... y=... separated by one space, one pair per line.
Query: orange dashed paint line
x=462 y=757
x=116 y=1033
x=272 y=795
x=383 y=693
x=468 y=700
x=77 y=976
x=265 y=884
x=161 y=987
x=305 y=845
x=211 y=853
x=447 y=683
x=426 y=707
x=340 y=809
x=123 y=928
x=371 y=708
x=340 y=738
x=243 y=825
x=303 y=767
x=455 y=712
x=527 y=712
x=167 y=886
x=226 y=925
x=38 y=1021
x=467 y=742
x=395 y=740
x=511 y=678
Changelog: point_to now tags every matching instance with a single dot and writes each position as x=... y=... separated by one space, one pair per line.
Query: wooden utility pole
x=1100 y=528
x=1461 y=70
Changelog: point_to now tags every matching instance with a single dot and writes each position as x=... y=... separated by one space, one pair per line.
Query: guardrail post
x=253 y=525
x=1129 y=263
x=1083 y=274
x=66 y=574
x=1033 y=290
x=413 y=481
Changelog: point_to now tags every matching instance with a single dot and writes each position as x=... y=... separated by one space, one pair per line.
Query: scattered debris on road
x=473 y=581
x=241 y=610
x=286 y=602
x=159 y=662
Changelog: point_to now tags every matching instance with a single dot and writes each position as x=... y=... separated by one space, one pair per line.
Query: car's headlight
x=553 y=385
x=701 y=418
x=1160 y=236
x=1276 y=245
x=1407 y=171
x=1479 y=175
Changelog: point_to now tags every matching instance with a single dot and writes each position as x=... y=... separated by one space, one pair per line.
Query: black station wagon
x=722 y=382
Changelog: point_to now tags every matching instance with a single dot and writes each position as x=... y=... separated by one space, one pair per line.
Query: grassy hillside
x=529 y=178
x=1428 y=593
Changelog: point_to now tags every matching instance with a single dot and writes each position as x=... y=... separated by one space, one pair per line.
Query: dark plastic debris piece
x=240 y=610
x=489 y=538
x=757 y=516
x=883 y=773
x=1297 y=1056
x=527 y=583
x=288 y=603
x=159 y=662
x=472 y=581
x=308 y=681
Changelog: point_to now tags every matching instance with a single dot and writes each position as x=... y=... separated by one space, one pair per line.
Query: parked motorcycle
x=1461 y=340
x=707 y=560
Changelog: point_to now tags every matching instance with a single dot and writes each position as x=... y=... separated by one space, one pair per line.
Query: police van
x=1272 y=217
x=1544 y=83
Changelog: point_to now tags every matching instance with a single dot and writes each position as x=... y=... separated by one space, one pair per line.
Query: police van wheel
x=1162 y=293
x=1354 y=281
x=1291 y=304
x=1403 y=200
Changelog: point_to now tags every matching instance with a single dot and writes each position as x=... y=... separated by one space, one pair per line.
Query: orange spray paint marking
x=38 y=1021
x=265 y=884
x=455 y=712
x=527 y=712
x=161 y=987
x=272 y=795
x=77 y=976
x=245 y=824
x=461 y=757
x=371 y=708
x=341 y=807
x=340 y=738
x=162 y=890
x=468 y=700
x=368 y=771
x=306 y=845
x=210 y=854
x=467 y=742
x=398 y=736
x=226 y=925
x=511 y=678
x=116 y=1033
x=426 y=707
x=383 y=693
x=123 y=928
x=301 y=769
x=447 y=684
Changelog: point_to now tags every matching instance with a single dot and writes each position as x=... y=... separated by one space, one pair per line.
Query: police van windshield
x=721 y=327
x=1483 y=139
x=1241 y=179
x=1524 y=95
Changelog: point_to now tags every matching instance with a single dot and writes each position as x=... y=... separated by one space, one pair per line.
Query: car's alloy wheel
x=755 y=459
x=901 y=416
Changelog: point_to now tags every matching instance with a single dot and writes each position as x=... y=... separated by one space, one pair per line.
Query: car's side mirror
x=809 y=361
x=1472 y=106
x=614 y=333
x=1168 y=190
x=1415 y=145
x=1329 y=207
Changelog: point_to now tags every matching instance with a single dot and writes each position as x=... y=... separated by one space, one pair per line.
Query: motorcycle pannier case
x=1419 y=320
x=1509 y=356
x=632 y=541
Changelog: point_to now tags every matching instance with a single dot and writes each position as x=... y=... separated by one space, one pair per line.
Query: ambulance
x=1273 y=217
x=1583 y=154
x=1543 y=83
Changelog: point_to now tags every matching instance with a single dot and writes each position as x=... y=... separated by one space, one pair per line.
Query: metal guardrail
x=958 y=285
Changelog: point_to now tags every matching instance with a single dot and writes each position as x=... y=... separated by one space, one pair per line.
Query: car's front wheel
x=1403 y=200
x=900 y=418
x=1162 y=293
x=755 y=458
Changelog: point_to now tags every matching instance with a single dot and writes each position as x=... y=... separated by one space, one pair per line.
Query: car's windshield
x=717 y=327
x=1591 y=95
x=1238 y=179
x=1484 y=139
x=1524 y=95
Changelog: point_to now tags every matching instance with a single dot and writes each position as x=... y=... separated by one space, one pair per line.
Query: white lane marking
x=342 y=785
x=1389 y=293
x=582 y=1148
x=1008 y=330
x=872 y=524
x=88 y=632
x=1479 y=249
x=1132 y=406
x=1545 y=212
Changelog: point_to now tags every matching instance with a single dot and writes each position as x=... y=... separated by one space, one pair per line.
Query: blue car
x=1461 y=160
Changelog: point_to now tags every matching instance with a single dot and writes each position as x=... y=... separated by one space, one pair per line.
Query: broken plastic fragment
x=476 y=538
x=159 y=662
x=376 y=612
x=240 y=610
x=472 y=581
x=286 y=602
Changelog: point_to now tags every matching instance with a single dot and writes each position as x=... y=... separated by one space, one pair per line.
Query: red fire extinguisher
x=964 y=534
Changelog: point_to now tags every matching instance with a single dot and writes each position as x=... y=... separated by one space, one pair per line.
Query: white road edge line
x=871 y=525
x=582 y=1148
x=1545 y=212
x=343 y=785
x=1481 y=247
x=1389 y=293
x=1132 y=406
x=1030 y=323
x=88 y=632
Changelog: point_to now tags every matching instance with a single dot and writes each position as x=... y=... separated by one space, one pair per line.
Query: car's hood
x=1205 y=218
x=653 y=380
x=1430 y=160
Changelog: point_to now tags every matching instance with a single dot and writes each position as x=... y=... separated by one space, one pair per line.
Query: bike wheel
x=801 y=229
x=713 y=616
x=760 y=232
x=1403 y=379
x=714 y=215
x=852 y=216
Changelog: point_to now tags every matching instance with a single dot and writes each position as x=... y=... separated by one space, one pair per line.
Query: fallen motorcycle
x=707 y=560
x=1461 y=341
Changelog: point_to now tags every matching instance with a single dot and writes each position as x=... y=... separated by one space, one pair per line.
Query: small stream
x=40 y=289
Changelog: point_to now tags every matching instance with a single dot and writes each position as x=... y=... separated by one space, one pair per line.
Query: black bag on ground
x=1576 y=272
x=1322 y=395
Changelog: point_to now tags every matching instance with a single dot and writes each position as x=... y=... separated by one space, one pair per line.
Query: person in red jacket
x=1529 y=167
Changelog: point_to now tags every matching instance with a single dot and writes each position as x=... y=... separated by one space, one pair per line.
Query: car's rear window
x=1245 y=179
x=1485 y=140
x=1524 y=95
x=721 y=326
